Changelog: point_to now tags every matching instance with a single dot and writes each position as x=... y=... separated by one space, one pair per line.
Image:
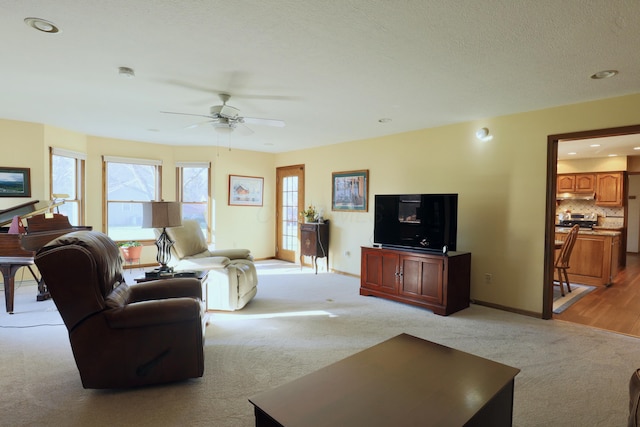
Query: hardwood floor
x=616 y=308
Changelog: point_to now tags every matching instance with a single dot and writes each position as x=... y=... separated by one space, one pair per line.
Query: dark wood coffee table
x=404 y=381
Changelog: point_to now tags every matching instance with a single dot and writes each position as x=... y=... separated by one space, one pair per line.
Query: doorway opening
x=550 y=215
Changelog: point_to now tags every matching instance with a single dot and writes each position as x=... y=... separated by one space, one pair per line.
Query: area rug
x=561 y=303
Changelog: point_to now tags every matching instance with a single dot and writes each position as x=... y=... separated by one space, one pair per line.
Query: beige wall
x=234 y=226
x=600 y=164
x=500 y=182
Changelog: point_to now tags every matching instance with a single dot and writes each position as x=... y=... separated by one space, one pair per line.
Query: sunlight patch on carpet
x=274 y=315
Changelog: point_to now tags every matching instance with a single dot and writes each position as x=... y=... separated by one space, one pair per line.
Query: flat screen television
x=425 y=222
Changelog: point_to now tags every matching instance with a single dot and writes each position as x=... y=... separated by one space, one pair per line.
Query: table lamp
x=162 y=215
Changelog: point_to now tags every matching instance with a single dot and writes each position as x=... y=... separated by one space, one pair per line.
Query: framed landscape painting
x=349 y=191
x=15 y=182
x=245 y=190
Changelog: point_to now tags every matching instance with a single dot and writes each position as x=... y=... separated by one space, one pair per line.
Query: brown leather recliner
x=122 y=336
x=634 y=399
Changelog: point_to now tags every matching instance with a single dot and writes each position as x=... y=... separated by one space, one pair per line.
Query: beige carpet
x=571 y=375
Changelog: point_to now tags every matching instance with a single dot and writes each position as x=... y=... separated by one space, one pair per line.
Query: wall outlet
x=488 y=278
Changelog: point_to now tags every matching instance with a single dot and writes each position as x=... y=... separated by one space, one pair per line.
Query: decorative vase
x=309 y=219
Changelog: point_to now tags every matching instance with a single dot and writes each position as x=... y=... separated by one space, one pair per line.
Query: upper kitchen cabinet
x=576 y=183
x=609 y=189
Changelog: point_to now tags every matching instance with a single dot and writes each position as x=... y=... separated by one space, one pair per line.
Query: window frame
x=180 y=166
x=80 y=175
x=157 y=164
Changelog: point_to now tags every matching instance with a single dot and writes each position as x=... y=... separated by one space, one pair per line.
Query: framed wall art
x=350 y=191
x=245 y=190
x=15 y=182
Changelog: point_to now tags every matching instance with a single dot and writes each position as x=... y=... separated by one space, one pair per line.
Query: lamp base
x=164 y=244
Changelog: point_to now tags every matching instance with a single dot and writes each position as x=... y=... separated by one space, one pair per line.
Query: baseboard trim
x=509 y=309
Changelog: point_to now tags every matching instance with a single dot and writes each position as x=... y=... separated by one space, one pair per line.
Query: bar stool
x=562 y=262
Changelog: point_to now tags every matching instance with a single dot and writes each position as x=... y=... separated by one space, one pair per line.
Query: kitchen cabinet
x=439 y=282
x=595 y=259
x=576 y=183
x=609 y=189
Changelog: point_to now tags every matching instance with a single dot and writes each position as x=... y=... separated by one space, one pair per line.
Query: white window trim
x=131 y=160
x=68 y=153
x=204 y=165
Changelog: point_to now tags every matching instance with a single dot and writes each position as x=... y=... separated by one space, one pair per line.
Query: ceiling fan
x=225 y=118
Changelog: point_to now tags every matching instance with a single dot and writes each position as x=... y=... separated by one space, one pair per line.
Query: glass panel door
x=290 y=201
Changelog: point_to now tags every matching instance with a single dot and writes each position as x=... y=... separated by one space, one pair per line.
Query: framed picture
x=15 y=182
x=245 y=190
x=350 y=191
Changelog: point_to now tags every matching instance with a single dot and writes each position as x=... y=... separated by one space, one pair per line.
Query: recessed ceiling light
x=636 y=148
x=42 y=25
x=605 y=74
x=573 y=153
x=594 y=145
x=613 y=155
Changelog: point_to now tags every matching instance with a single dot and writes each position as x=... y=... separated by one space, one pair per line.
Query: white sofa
x=232 y=280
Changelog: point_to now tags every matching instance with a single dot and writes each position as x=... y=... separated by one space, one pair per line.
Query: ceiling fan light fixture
x=223 y=127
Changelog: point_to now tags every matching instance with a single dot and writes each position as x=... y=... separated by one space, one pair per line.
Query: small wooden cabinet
x=609 y=189
x=438 y=282
x=314 y=242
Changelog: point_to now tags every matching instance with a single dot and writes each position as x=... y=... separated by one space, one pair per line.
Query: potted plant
x=310 y=214
x=130 y=250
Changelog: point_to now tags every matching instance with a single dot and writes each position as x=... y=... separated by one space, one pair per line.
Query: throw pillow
x=189 y=239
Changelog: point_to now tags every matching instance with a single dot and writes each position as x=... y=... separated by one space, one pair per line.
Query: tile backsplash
x=607 y=217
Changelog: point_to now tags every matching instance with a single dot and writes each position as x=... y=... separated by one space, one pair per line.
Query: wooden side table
x=200 y=275
x=314 y=242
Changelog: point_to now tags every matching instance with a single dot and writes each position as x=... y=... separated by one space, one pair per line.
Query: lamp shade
x=161 y=214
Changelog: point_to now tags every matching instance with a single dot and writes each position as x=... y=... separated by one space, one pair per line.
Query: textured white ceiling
x=330 y=69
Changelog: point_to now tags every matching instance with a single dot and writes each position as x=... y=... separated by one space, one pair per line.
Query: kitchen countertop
x=594 y=232
x=600 y=227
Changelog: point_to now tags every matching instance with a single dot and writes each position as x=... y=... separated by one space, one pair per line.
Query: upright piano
x=17 y=250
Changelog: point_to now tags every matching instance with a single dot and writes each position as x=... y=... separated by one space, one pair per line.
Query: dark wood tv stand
x=439 y=282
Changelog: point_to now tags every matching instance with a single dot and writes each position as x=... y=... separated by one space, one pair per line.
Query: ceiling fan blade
x=235 y=82
x=196 y=125
x=265 y=122
x=189 y=114
x=244 y=129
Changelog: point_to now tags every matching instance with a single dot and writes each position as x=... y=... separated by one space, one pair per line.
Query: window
x=194 y=192
x=67 y=183
x=129 y=183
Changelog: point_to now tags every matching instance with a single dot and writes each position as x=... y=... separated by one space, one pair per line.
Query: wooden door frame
x=301 y=201
x=550 y=213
